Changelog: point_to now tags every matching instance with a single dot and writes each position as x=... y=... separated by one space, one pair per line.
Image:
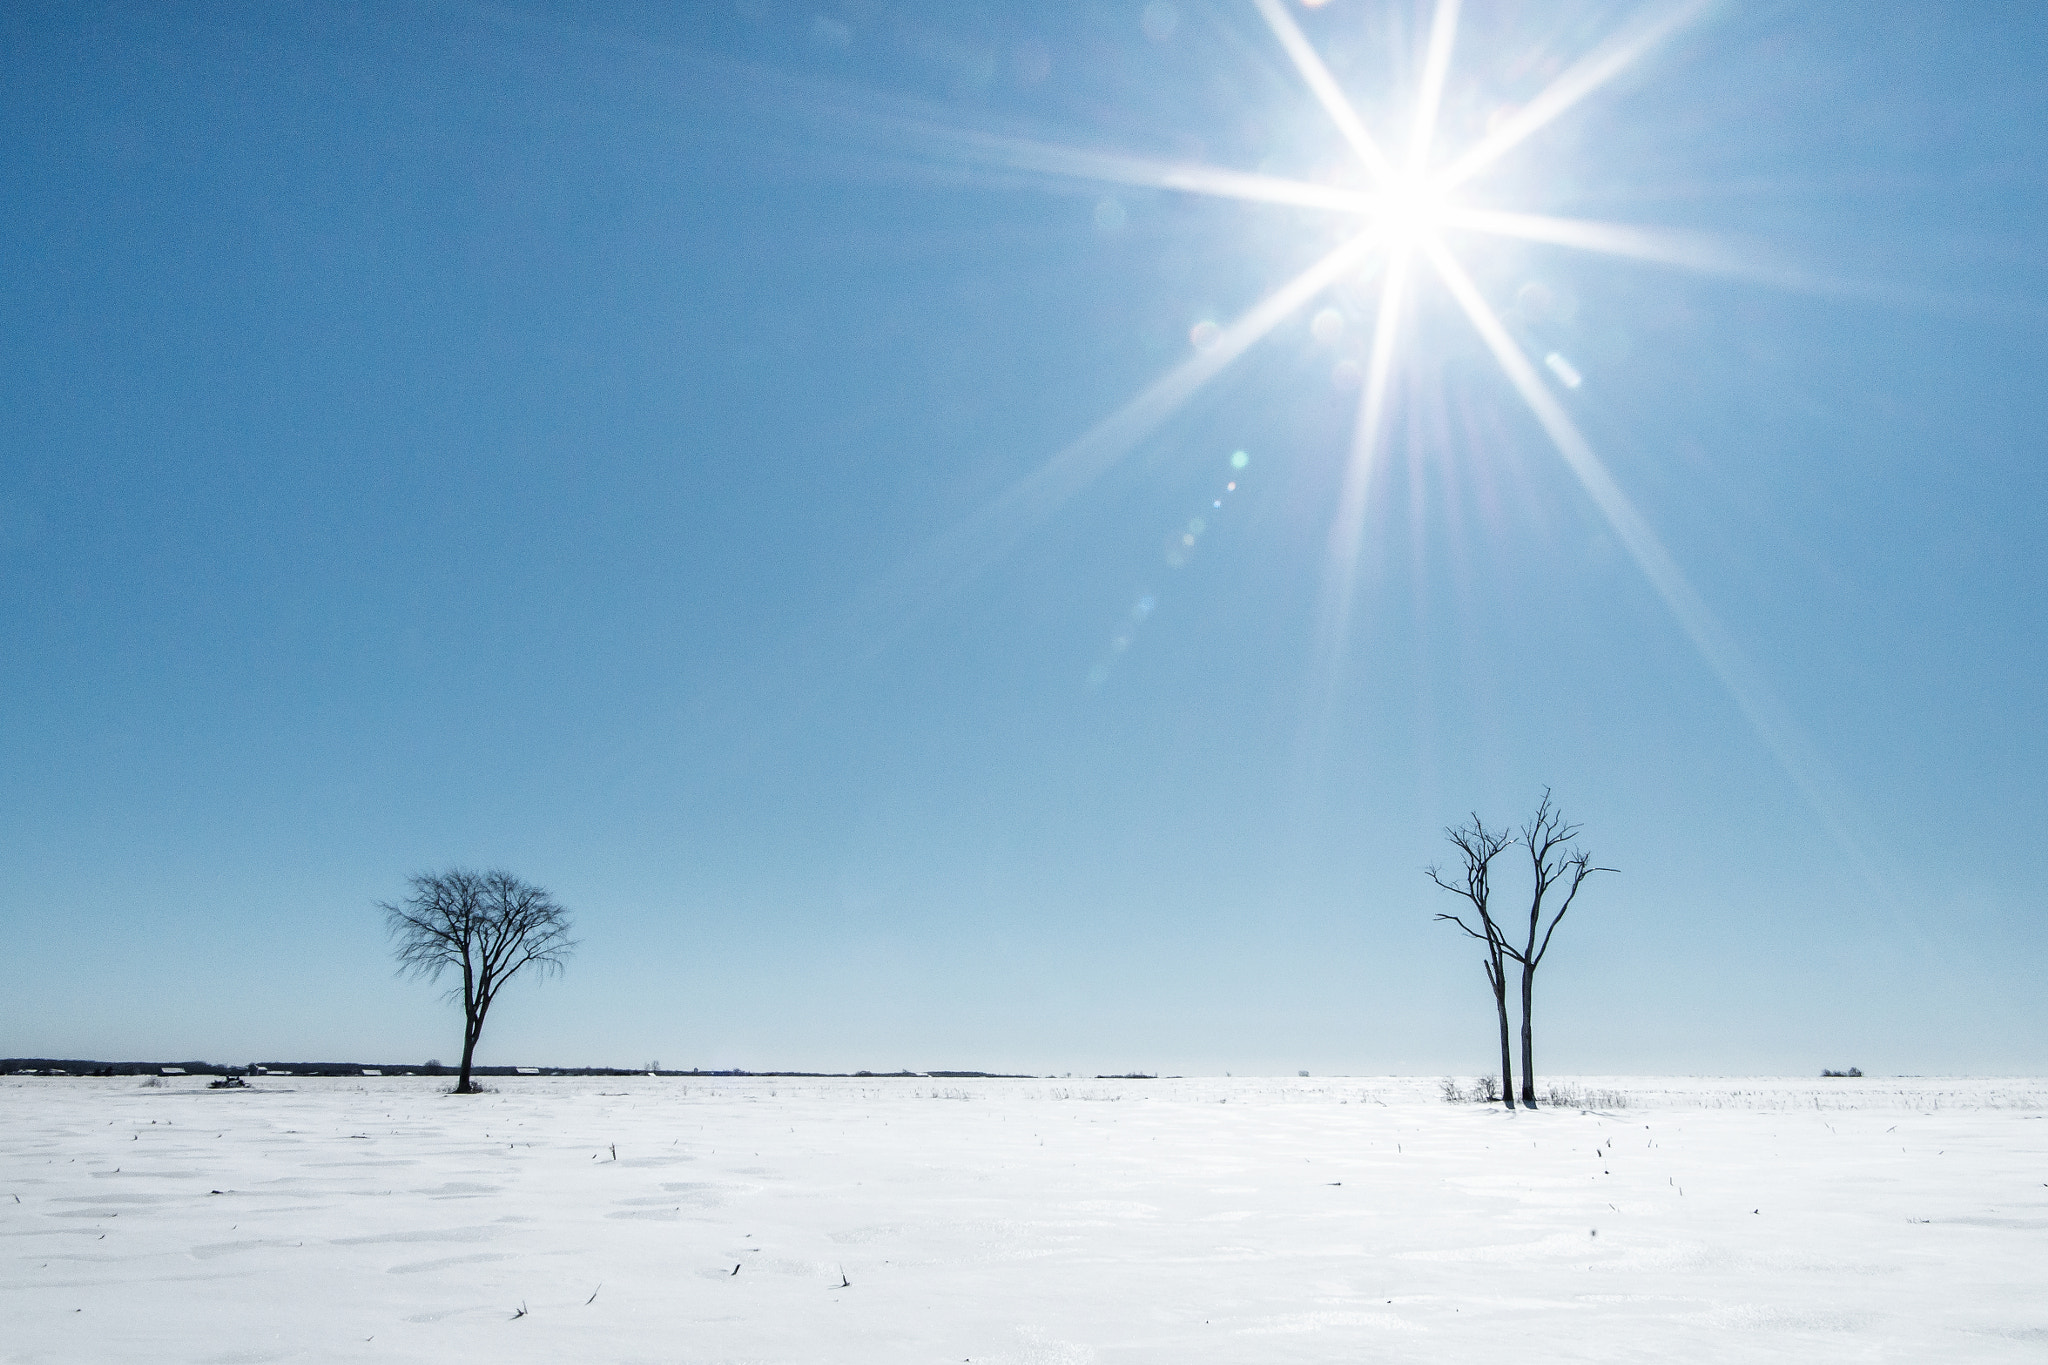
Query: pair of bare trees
x=1558 y=869
x=486 y=927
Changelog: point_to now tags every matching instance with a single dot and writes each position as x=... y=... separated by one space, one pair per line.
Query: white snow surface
x=700 y=1220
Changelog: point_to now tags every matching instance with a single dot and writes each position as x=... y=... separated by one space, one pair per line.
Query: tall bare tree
x=1557 y=869
x=1477 y=847
x=487 y=926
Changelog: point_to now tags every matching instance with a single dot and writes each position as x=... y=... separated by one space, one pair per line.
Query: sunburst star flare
x=1404 y=217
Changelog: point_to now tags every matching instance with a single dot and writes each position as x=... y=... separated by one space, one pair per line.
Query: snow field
x=697 y=1220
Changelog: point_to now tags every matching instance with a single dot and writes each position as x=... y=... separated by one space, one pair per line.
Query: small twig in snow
x=593 y=1296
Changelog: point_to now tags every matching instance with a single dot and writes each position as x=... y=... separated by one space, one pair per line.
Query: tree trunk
x=469 y=1037
x=1528 y=1039
x=1497 y=978
x=1507 y=1062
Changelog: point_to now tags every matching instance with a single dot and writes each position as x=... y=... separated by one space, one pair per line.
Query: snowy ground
x=1014 y=1221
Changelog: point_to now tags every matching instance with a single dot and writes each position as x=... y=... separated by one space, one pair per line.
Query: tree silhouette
x=487 y=926
x=1477 y=847
x=1555 y=866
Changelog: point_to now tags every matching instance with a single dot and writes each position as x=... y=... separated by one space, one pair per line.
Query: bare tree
x=1477 y=847
x=488 y=926
x=1556 y=866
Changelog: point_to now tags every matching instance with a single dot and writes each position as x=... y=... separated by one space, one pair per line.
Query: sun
x=1411 y=211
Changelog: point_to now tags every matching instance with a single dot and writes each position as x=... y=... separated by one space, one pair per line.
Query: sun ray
x=1436 y=68
x=1700 y=252
x=1118 y=169
x=1347 y=531
x=1585 y=76
x=1768 y=716
x=1325 y=88
x=991 y=533
x=1665 y=246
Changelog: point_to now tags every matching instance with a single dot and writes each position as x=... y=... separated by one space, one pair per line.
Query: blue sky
x=576 y=440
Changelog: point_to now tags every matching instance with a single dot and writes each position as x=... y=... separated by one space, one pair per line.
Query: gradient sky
x=576 y=440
